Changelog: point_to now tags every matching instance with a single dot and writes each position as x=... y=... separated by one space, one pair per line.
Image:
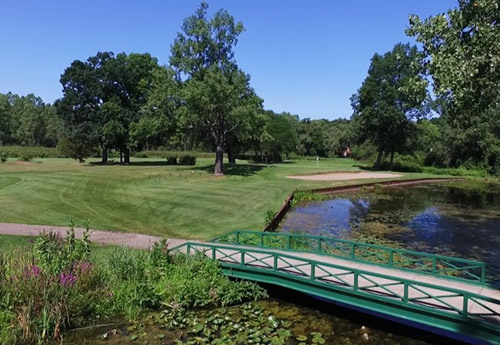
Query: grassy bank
x=153 y=198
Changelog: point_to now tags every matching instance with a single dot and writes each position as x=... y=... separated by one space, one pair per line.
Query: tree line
x=203 y=100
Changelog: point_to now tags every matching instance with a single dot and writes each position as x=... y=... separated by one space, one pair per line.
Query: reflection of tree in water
x=359 y=210
x=392 y=207
x=454 y=220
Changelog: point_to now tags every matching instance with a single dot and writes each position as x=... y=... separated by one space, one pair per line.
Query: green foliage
x=56 y=255
x=216 y=94
x=141 y=155
x=26 y=157
x=269 y=216
x=28 y=121
x=56 y=285
x=39 y=299
x=3 y=157
x=186 y=160
x=463 y=59
x=33 y=151
x=390 y=97
x=171 y=160
x=103 y=96
x=302 y=196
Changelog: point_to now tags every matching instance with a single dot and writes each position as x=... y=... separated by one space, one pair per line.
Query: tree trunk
x=230 y=155
x=392 y=160
x=104 y=155
x=127 y=155
x=379 y=159
x=219 y=156
x=121 y=156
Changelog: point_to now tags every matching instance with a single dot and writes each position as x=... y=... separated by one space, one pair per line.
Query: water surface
x=459 y=219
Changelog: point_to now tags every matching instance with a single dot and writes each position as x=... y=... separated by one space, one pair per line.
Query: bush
x=34 y=151
x=141 y=155
x=49 y=289
x=3 y=157
x=187 y=160
x=27 y=157
x=172 y=160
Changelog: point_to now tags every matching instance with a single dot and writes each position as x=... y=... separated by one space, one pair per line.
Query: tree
x=86 y=87
x=214 y=87
x=158 y=121
x=341 y=137
x=279 y=137
x=463 y=58
x=313 y=136
x=103 y=96
x=5 y=120
x=390 y=97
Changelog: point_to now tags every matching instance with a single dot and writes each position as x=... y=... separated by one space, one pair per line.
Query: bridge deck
x=423 y=290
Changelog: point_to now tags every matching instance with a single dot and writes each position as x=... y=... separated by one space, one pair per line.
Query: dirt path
x=97 y=236
x=344 y=176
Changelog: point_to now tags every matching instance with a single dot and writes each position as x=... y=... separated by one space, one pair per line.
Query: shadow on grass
x=234 y=169
x=229 y=169
x=132 y=163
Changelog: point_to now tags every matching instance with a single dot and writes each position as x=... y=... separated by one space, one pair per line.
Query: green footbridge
x=454 y=297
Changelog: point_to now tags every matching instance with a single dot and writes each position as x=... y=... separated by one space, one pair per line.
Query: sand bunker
x=343 y=176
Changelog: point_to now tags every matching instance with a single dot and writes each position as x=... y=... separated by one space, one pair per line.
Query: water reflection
x=453 y=219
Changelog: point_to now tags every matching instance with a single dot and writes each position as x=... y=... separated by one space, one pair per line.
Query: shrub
x=269 y=216
x=172 y=160
x=3 y=157
x=49 y=289
x=34 y=151
x=187 y=160
x=141 y=155
x=27 y=157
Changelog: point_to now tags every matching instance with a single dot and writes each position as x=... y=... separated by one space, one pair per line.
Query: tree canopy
x=390 y=97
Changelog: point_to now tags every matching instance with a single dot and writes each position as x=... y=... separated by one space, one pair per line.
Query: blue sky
x=305 y=57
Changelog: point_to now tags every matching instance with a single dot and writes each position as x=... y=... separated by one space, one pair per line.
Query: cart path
x=97 y=236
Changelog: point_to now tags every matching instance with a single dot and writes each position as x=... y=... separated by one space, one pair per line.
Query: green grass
x=152 y=198
x=8 y=242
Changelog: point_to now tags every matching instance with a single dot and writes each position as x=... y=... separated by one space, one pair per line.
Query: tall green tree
x=5 y=120
x=214 y=87
x=279 y=137
x=103 y=96
x=391 y=96
x=463 y=57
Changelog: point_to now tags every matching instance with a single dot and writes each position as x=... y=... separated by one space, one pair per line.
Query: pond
x=287 y=323
x=460 y=219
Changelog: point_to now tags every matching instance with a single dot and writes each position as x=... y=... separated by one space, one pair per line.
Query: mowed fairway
x=151 y=198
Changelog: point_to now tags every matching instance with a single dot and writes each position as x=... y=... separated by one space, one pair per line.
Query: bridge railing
x=436 y=265
x=417 y=295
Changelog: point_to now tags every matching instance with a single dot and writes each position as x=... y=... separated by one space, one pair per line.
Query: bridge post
x=237 y=237
x=405 y=294
x=242 y=258
x=313 y=271
x=483 y=273
x=318 y=250
x=391 y=257
x=356 y=281
x=261 y=239
x=288 y=244
x=434 y=265
x=275 y=263
x=465 y=306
